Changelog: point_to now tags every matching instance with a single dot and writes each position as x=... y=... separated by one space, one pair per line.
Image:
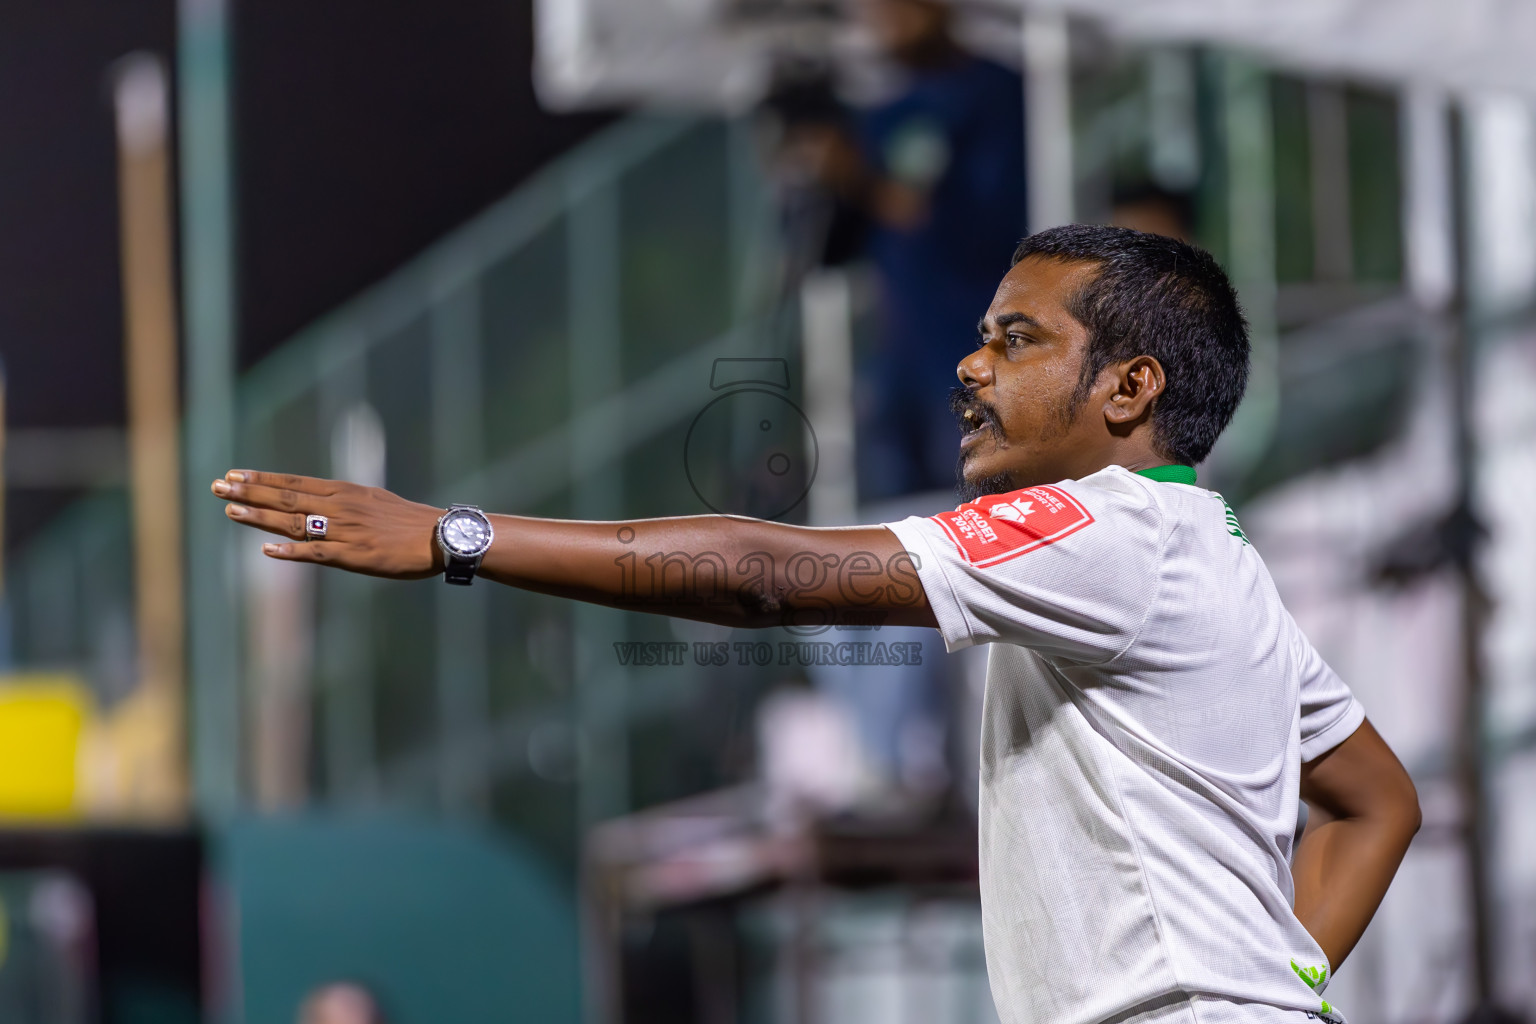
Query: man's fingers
x=279 y=499
x=288 y=524
x=284 y=481
x=318 y=551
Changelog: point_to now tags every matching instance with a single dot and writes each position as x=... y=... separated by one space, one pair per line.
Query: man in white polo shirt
x=1153 y=715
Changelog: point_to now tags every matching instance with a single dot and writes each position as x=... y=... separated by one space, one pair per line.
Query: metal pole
x=149 y=304
x=1429 y=215
x=1249 y=133
x=208 y=316
x=826 y=313
x=1471 y=767
x=463 y=697
x=593 y=293
x=1048 y=119
x=344 y=651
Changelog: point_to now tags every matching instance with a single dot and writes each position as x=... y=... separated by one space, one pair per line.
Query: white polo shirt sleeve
x=1069 y=570
x=1329 y=711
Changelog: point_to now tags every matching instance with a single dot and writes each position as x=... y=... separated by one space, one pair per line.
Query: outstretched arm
x=726 y=569
x=1362 y=813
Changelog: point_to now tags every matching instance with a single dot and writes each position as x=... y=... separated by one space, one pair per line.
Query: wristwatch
x=465 y=535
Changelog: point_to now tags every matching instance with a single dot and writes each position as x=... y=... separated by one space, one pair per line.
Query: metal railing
x=546 y=358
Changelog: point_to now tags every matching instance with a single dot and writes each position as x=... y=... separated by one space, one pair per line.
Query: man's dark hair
x=1158 y=297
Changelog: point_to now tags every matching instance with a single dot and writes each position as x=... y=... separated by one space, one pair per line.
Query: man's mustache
x=963 y=401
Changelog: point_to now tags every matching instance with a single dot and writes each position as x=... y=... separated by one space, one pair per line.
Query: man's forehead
x=1039 y=290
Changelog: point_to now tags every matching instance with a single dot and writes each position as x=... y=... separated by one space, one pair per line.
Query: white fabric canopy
x=1482 y=45
x=715 y=53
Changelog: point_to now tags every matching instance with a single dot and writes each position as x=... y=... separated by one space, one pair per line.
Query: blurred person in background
x=342 y=1002
x=1153 y=714
x=1155 y=210
x=936 y=173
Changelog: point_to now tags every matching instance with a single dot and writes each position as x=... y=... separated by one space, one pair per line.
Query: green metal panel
x=561 y=333
x=441 y=922
x=208 y=296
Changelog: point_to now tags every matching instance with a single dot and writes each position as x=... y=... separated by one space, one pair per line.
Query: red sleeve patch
x=998 y=527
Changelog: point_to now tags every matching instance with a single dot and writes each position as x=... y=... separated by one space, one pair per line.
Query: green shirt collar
x=1169 y=474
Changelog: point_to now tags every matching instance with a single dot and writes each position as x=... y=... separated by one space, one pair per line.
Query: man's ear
x=1137 y=383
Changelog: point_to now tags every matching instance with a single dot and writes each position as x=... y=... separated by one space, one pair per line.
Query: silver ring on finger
x=315 y=527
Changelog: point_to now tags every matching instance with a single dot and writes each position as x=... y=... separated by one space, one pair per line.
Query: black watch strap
x=460 y=571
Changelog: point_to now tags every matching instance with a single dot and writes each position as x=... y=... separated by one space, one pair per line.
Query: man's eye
x=1017 y=341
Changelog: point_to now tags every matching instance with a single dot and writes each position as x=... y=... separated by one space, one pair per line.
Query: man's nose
x=975 y=370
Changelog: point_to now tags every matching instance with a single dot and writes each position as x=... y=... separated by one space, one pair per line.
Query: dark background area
x=146 y=894
x=362 y=132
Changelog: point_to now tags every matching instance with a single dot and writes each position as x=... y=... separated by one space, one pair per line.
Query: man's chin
x=972 y=482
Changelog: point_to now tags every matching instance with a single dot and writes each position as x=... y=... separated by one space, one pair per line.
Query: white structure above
x=716 y=54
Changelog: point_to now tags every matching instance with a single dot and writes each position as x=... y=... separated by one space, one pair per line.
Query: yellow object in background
x=42 y=718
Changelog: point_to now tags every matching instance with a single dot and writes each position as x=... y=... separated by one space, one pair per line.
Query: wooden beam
x=141 y=99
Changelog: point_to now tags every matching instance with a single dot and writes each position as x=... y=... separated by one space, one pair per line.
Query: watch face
x=467 y=534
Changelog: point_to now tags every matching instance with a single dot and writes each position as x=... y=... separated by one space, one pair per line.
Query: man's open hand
x=371 y=530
